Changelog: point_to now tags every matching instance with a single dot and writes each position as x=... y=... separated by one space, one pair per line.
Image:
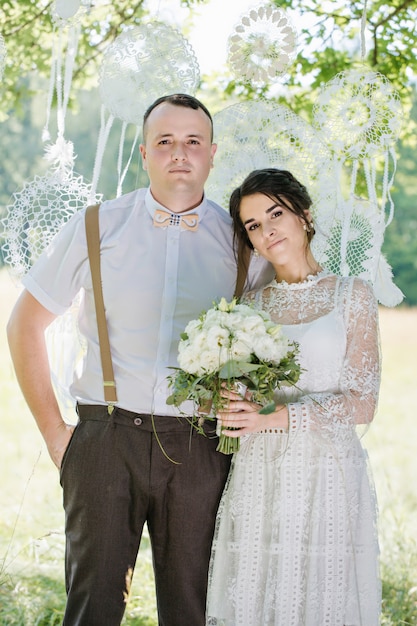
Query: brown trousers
x=115 y=477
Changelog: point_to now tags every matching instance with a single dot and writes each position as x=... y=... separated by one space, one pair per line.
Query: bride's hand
x=244 y=416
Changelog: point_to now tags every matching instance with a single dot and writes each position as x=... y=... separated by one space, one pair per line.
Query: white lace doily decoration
x=3 y=54
x=359 y=114
x=142 y=64
x=262 y=46
x=258 y=134
x=255 y=135
x=354 y=248
x=40 y=210
x=68 y=12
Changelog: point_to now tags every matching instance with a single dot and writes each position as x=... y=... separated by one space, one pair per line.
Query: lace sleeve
x=335 y=414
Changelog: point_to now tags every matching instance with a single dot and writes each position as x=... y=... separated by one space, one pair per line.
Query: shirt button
x=137 y=421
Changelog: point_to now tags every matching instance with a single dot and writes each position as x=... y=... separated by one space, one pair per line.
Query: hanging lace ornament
x=354 y=248
x=262 y=46
x=64 y=51
x=41 y=208
x=355 y=253
x=38 y=213
x=47 y=202
x=44 y=204
x=3 y=54
x=143 y=63
x=359 y=113
x=359 y=116
x=256 y=135
x=66 y=13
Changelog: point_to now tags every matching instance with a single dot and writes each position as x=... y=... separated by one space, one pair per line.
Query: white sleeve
x=62 y=269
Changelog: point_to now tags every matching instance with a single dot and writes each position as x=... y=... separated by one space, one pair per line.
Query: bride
x=296 y=541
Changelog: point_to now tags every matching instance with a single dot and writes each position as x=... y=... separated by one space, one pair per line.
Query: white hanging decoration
x=260 y=134
x=262 y=46
x=359 y=116
x=357 y=251
x=44 y=204
x=385 y=290
x=66 y=13
x=38 y=213
x=359 y=113
x=143 y=63
x=3 y=55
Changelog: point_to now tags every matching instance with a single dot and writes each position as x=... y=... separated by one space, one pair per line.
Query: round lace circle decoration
x=39 y=211
x=3 y=54
x=142 y=64
x=68 y=12
x=359 y=114
x=258 y=134
x=263 y=46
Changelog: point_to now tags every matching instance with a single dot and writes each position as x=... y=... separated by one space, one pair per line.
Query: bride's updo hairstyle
x=280 y=186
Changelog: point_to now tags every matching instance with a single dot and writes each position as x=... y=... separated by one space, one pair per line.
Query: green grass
x=31 y=521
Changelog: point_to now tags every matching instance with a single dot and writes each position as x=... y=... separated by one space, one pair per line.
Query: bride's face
x=277 y=233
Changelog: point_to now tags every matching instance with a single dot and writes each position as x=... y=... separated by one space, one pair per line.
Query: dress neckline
x=310 y=280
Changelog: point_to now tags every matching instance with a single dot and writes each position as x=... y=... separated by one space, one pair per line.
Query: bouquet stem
x=228 y=445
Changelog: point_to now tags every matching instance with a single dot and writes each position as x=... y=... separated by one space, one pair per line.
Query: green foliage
x=400 y=245
x=37 y=600
x=399 y=588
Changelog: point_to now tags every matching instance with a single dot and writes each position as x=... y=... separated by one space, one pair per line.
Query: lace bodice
x=335 y=322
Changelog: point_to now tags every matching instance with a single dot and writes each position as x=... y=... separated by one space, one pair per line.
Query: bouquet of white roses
x=232 y=343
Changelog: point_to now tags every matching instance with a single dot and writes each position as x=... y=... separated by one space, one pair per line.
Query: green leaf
x=269 y=408
x=236 y=369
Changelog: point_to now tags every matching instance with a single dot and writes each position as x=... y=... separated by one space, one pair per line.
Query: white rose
x=189 y=361
x=192 y=328
x=240 y=350
x=217 y=337
x=266 y=349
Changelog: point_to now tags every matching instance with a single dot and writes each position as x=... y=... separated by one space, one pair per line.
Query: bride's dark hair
x=279 y=185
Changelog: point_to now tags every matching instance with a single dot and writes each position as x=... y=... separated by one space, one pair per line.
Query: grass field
x=31 y=519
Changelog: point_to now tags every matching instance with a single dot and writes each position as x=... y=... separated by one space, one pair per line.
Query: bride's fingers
x=232 y=395
x=237 y=406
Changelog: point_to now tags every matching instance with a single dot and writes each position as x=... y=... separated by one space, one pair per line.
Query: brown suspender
x=93 y=246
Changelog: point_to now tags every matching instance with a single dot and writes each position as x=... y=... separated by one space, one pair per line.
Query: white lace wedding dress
x=296 y=540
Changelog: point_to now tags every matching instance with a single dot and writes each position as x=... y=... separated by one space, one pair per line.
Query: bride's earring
x=255 y=252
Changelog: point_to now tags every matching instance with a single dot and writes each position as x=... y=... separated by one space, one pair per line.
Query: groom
x=166 y=254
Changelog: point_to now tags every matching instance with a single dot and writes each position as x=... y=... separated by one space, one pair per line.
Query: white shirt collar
x=151 y=206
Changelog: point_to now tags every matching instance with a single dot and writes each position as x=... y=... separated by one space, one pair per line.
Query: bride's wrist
x=279 y=417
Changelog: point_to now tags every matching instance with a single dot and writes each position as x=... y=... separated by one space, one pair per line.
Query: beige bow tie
x=161 y=219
